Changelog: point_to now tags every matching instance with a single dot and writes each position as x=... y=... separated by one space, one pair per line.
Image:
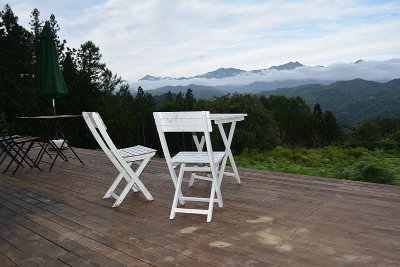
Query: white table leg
x=199 y=146
x=228 y=152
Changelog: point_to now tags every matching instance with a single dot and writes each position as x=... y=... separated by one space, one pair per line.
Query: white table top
x=219 y=118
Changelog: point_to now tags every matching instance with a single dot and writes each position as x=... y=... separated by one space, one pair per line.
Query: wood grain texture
x=59 y=218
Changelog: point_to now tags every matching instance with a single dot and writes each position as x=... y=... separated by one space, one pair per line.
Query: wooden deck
x=59 y=218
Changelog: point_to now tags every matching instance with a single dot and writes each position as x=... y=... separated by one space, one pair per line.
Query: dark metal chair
x=17 y=148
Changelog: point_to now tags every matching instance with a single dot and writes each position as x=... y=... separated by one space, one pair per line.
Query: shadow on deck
x=60 y=218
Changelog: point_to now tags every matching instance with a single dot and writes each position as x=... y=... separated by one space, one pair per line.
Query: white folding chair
x=121 y=158
x=190 y=161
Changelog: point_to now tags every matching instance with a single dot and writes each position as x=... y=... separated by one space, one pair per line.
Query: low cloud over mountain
x=295 y=72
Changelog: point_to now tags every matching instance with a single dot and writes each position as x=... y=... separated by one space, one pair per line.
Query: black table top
x=49 y=117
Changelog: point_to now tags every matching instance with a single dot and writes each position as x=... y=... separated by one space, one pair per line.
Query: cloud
x=369 y=70
x=186 y=38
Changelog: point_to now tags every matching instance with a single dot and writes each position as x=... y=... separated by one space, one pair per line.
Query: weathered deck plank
x=271 y=219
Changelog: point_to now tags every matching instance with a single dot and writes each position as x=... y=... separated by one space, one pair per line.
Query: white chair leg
x=134 y=187
x=123 y=193
x=222 y=170
x=211 y=204
x=192 y=179
x=215 y=184
x=135 y=177
x=133 y=182
x=117 y=180
x=178 y=192
x=142 y=165
x=234 y=168
x=175 y=181
x=114 y=184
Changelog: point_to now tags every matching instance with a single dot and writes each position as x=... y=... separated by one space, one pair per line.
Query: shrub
x=387 y=144
x=369 y=172
x=357 y=152
x=377 y=165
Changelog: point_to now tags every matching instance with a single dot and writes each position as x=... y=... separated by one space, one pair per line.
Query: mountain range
x=351 y=101
x=229 y=80
x=221 y=74
x=225 y=73
x=354 y=91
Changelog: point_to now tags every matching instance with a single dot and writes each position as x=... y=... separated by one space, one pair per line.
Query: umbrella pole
x=54 y=107
x=54 y=113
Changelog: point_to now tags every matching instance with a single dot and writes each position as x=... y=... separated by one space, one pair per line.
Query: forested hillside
x=351 y=101
x=199 y=91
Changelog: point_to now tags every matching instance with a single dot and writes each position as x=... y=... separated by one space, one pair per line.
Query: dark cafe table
x=48 y=132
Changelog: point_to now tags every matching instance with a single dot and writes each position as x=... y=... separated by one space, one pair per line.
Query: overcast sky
x=187 y=38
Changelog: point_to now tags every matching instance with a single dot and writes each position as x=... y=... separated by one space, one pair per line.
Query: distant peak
x=221 y=73
x=359 y=61
x=288 y=66
x=150 y=78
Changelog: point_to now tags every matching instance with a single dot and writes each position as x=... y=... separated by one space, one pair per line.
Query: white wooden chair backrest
x=99 y=131
x=189 y=121
x=193 y=121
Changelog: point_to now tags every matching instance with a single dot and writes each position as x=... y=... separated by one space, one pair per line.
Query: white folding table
x=220 y=119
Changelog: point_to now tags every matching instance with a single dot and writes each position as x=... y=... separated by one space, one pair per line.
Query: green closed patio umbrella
x=50 y=79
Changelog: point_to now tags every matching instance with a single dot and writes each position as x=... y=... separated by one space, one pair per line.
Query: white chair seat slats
x=197 y=157
x=131 y=153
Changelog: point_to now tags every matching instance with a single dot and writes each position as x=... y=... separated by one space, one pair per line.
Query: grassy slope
x=344 y=163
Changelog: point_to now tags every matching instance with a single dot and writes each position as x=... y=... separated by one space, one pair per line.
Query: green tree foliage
x=327 y=129
x=295 y=120
x=190 y=100
x=55 y=28
x=36 y=28
x=91 y=82
x=258 y=130
x=169 y=98
x=179 y=102
x=331 y=131
x=144 y=106
x=351 y=101
x=168 y=102
x=16 y=70
x=317 y=114
x=377 y=133
x=89 y=62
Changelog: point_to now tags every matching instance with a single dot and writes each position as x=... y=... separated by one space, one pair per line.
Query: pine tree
x=89 y=62
x=36 y=25
x=179 y=101
x=331 y=129
x=189 y=100
x=36 y=29
x=144 y=104
x=169 y=98
x=16 y=78
x=318 y=120
x=60 y=45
